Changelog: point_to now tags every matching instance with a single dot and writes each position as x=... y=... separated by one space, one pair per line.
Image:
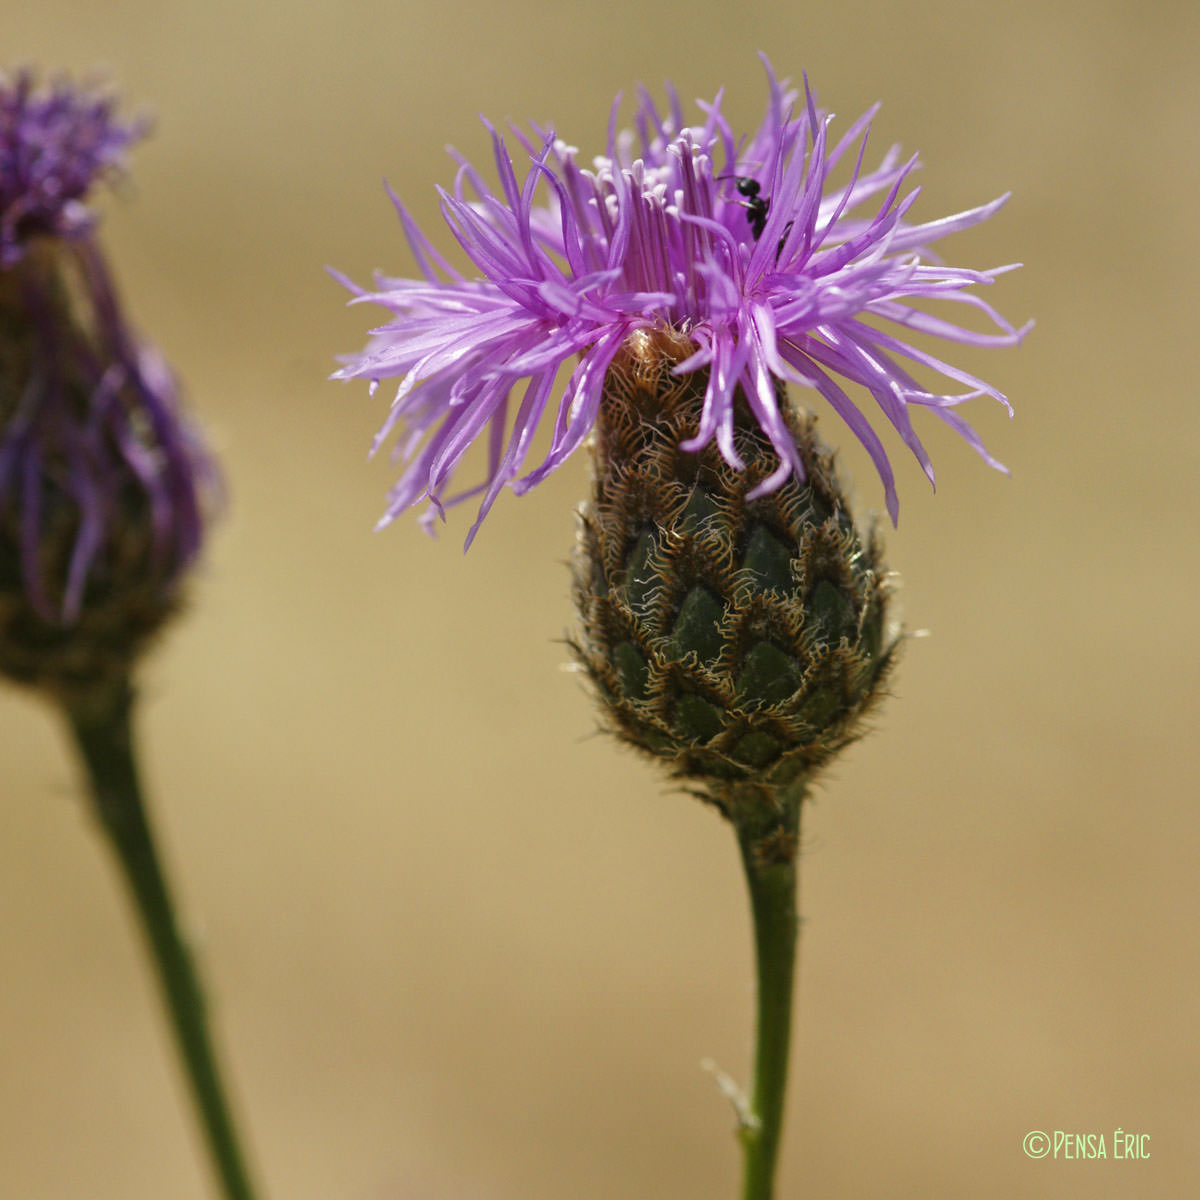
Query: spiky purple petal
x=798 y=281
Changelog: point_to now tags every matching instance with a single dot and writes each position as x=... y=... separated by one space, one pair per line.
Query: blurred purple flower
x=743 y=245
x=101 y=479
x=53 y=145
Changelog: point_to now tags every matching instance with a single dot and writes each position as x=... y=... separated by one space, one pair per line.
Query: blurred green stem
x=769 y=849
x=103 y=735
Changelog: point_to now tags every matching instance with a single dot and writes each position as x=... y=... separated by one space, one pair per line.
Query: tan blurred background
x=461 y=950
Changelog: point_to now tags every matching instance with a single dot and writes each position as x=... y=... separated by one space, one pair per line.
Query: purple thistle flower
x=53 y=146
x=741 y=245
x=102 y=482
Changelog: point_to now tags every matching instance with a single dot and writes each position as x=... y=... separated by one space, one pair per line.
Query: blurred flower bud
x=101 y=481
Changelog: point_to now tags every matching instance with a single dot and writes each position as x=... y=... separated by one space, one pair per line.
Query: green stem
x=103 y=735
x=768 y=856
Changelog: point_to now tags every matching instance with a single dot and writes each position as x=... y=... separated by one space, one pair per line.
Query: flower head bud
x=737 y=634
x=101 y=481
x=659 y=300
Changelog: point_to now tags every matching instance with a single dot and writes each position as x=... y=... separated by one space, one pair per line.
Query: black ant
x=757 y=207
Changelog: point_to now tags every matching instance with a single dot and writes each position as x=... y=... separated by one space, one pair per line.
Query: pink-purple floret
x=98 y=414
x=54 y=143
x=774 y=274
